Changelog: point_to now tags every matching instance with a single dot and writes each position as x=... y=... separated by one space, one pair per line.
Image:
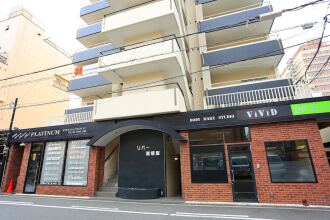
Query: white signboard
x=53 y=163
x=76 y=169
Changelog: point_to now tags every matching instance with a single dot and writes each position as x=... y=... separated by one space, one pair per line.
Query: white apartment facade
x=25 y=48
x=206 y=49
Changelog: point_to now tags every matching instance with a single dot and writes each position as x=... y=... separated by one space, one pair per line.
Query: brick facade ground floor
x=267 y=191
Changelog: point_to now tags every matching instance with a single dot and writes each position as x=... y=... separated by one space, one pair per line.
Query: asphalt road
x=46 y=208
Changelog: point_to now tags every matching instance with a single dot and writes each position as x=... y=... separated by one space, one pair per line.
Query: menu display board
x=76 y=169
x=53 y=163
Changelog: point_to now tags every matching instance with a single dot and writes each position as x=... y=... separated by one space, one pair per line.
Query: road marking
x=216 y=216
x=85 y=208
x=192 y=213
x=14 y=203
x=94 y=208
x=277 y=207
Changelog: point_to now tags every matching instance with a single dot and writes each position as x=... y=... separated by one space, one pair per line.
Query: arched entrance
x=141 y=160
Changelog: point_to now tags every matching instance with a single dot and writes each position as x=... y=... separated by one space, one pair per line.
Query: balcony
x=160 y=17
x=76 y=116
x=249 y=57
x=159 y=56
x=211 y=7
x=257 y=96
x=95 y=11
x=122 y=4
x=90 y=85
x=91 y=35
x=140 y=104
x=156 y=56
x=91 y=55
x=236 y=26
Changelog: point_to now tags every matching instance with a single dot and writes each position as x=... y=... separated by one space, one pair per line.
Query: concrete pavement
x=49 y=208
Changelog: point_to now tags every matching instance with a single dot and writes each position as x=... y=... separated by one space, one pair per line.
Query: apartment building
x=179 y=98
x=25 y=48
x=297 y=66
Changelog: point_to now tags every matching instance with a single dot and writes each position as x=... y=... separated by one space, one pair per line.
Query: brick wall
x=201 y=192
x=13 y=166
x=22 y=173
x=92 y=184
x=291 y=193
x=100 y=169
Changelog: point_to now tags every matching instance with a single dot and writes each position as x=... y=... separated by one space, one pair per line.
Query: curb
x=258 y=204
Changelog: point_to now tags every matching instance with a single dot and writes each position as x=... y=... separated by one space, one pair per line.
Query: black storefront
x=140 y=173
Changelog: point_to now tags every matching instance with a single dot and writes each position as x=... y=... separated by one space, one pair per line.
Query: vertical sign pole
x=7 y=145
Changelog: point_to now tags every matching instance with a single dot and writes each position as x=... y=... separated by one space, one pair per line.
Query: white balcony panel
x=244 y=58
x=226 y=6
x=233 y=27
x=122 y=4
x=159 y=57
x=140 y=104
x=158 y=17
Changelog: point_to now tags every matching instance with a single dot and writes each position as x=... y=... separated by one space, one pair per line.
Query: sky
x=61 y=19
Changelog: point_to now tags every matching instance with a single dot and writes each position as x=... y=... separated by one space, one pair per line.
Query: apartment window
x=65 y=163
x=290 y=162
x=208 y=164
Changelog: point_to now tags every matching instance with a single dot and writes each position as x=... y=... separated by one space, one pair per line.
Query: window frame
x=203 y=177
x=64 y=164
x=309 y=156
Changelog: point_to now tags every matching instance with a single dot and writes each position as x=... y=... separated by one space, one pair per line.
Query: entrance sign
x=76 y=167
x=53 y=163
x=310 y=108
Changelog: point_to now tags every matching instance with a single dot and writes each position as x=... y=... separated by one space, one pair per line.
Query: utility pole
x=7 y=145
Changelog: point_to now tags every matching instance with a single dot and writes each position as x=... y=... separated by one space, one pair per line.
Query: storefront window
x=53 y=163
x=289 y=161
x=208 y=164
x=76 y=169
x=219 y=136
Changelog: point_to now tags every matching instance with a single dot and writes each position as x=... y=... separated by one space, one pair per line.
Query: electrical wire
x=95 y=68
x=252 y=20
x=138 y=87
x=320 y=71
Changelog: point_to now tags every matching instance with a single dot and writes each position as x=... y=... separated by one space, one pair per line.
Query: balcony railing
x=251 y=97
x=75 y=118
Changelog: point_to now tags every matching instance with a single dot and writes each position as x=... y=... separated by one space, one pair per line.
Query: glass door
x=242 y=174
x=33 y=168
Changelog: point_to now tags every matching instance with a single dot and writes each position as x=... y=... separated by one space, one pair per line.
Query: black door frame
x=39 y=168
x=252 y=170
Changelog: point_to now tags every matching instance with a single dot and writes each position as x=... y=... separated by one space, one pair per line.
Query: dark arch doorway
x=147 y=159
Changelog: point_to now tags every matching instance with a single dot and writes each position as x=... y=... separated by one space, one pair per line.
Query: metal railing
x=269 y=95
x=74 y=118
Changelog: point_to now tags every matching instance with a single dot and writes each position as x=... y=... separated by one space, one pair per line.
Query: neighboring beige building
x=297 y=65
x=24 y=48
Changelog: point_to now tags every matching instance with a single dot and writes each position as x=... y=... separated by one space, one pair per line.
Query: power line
x=321 y=70
x=71 y=73
x=138 y=87
x=318 y=46
x=252 y=20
